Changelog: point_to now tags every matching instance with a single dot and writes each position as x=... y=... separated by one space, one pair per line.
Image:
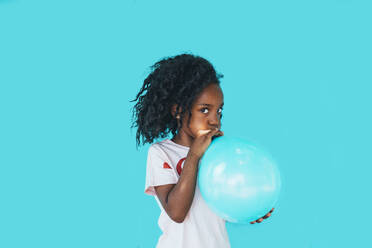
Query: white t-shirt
x=201 y=228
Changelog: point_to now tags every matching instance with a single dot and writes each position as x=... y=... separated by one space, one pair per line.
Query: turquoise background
x=297 y=80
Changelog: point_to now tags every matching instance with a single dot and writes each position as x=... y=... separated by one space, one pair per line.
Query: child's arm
x=176 y=199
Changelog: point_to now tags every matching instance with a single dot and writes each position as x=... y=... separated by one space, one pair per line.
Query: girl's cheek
x=200 y=126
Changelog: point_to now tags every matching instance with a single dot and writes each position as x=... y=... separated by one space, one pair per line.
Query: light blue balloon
x=239 y=181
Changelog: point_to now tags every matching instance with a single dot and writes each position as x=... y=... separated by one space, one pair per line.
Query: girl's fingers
x=262 y=218
x=267 y=216
x=213 y=133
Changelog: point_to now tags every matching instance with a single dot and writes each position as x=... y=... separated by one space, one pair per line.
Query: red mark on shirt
x=179 y=166
x=166 y=166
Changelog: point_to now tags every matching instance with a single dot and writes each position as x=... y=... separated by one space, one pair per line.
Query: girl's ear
x=174 y=111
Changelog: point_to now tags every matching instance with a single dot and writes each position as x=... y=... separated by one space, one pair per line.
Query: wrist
x=194 y=156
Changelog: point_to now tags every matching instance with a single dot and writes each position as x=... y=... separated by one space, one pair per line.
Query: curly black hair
x=173 y=80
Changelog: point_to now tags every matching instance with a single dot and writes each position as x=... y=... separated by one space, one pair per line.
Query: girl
x=181 y=96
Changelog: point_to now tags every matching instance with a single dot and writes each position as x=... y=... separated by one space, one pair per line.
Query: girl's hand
x=202 y=141
x=264 y=217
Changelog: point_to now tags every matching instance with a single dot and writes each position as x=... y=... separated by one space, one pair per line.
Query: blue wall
x=297 y=80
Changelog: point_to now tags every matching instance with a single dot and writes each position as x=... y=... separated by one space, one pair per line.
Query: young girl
x=182 y=97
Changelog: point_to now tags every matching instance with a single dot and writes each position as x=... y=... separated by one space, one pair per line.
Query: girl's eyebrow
x=209 y=105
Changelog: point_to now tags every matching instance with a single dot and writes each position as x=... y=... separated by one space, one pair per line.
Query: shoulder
x=167 y=150
x=158 y=148
x=158 y=154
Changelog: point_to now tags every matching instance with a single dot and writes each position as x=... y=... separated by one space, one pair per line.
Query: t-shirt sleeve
x=159 y=170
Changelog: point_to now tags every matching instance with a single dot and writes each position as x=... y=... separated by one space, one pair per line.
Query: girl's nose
x=214 y=121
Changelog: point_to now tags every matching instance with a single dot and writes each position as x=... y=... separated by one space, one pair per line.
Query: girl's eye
x=204 y=110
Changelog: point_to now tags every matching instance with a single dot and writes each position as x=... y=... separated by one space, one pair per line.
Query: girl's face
x=206 y=111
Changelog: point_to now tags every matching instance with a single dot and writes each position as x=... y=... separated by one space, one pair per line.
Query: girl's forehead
x=211 y=95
